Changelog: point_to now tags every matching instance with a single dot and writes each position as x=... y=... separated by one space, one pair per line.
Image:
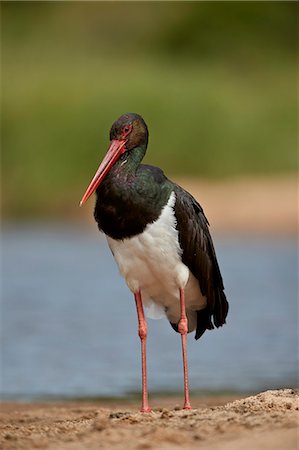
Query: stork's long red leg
x=142 y=331
x=183 y=329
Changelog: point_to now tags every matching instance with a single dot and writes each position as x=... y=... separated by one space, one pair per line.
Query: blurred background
x=217 y=85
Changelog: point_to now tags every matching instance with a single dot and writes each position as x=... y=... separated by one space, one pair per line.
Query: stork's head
x=127 y=132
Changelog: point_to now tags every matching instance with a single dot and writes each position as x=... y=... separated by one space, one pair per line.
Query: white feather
x=151 y=262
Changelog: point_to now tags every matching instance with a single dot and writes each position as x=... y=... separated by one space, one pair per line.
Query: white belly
x=151 y=263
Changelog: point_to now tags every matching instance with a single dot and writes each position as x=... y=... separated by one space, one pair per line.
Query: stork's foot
x=187 y=406
x=146 y=409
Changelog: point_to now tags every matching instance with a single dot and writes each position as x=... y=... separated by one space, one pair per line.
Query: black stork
x=159 y=237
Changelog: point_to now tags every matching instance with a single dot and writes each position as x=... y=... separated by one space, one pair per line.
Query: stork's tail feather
x=220 y=308
x=204 y=322
x=204 y=317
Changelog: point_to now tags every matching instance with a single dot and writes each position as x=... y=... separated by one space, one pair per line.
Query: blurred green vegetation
x=216 y=83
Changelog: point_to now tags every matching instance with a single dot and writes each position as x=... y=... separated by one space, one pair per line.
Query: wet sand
x=268 y=420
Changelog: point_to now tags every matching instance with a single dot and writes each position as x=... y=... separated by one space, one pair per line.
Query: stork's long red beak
x=114 y=151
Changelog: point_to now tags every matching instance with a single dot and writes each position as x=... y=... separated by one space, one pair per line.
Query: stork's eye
x=126 y=130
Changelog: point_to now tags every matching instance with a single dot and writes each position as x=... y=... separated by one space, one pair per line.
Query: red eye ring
x=126 y=130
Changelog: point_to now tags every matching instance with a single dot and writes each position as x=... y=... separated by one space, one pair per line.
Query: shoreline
x=268 y=420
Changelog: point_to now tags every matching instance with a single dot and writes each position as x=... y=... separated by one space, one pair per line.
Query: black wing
x=200 y=257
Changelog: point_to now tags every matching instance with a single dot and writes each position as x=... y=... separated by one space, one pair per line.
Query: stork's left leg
x=183 y=330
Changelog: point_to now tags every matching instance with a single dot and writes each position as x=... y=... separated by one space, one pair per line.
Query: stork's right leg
x=183 y=330
x=142 y=331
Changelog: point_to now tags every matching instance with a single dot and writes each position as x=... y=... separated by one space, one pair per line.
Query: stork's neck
x=131 y=196
x=130 y=160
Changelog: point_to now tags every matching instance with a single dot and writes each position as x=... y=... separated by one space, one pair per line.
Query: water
x=70 y=327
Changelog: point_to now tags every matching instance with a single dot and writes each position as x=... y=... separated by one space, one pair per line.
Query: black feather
x=200 y=257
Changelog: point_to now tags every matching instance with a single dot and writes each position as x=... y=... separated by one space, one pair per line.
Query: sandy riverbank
x=266 y=421
x=260 y=205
